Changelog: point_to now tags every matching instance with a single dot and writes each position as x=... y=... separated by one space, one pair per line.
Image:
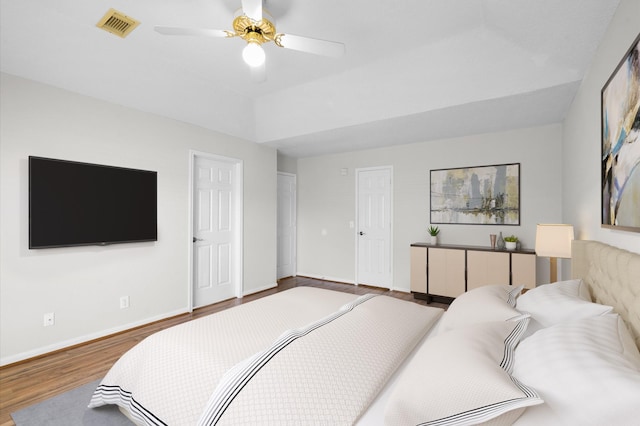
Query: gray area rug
x=70 y=409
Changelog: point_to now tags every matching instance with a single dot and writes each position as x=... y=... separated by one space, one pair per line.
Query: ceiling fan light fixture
x=253 y=54
x=257 y=27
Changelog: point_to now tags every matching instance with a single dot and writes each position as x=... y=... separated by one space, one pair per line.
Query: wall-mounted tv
x=77 y=204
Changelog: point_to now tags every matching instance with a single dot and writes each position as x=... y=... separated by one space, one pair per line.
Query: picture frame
x=620 y=144
x=482 y=195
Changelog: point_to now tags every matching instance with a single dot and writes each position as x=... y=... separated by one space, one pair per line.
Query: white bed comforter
x=328 y=376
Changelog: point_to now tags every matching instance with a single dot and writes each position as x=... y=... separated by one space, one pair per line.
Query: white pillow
x=482 y=304
x=587 y=371
x=462 y=377
x=554 y=303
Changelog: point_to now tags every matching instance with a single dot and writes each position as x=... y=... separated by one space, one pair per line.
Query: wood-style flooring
x=34 y=380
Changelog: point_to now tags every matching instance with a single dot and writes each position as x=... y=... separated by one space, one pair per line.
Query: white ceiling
x=415 y=70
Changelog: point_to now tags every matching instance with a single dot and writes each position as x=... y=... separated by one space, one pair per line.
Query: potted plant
x=511 y=242
x=433 y=231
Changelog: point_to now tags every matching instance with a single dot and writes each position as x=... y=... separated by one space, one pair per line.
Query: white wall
x=326 y=199
x=582 y=143
x=82 y=285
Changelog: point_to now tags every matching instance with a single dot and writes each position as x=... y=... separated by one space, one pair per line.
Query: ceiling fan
x=254 y=25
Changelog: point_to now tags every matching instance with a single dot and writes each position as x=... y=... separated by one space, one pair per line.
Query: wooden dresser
x=447 y=271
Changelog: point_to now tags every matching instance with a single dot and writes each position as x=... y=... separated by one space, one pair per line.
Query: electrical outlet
x=49 y=319
x=124 y=302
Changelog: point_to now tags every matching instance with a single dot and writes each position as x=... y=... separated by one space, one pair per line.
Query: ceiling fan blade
x=191 y=31
x=253 y=9
x=259 y=74
x=310 y=45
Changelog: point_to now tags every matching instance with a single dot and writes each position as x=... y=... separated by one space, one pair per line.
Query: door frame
x=295 y=221
x=357 y=224
x=238 y=221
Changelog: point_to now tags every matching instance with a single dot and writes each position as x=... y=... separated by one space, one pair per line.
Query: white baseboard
x=84 y=339
x=87 y=338
x=258 y=290
x=93 y=336
x=344 y=281
x=325 y=278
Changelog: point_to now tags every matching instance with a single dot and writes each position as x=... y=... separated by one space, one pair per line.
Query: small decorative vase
x=434 y=240
x=500 y=242
x=492 y=238
x=511 y=245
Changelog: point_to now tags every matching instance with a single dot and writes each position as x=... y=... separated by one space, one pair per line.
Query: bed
x=564 y=353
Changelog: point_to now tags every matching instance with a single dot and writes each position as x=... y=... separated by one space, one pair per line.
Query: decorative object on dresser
x=511 y=242
x=447 y=271
x=492 y=238
x=501 y=244
x=554 y=241
x=433 y=232
x=620 y=133
x=488 y=195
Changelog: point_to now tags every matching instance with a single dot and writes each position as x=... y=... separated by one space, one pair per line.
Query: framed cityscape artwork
x=483 y=195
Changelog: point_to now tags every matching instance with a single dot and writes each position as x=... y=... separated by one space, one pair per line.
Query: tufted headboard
x=613 y=276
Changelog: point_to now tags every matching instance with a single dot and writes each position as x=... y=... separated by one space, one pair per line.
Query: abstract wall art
x=487 y=195
x=620 y=174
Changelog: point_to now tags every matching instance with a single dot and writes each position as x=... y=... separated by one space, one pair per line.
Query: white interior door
x=214 y=231
x=373 y=232
x=286 y=225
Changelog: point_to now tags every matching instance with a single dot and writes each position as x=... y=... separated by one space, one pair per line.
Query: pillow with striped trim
x=482 y=304
x=463 y=377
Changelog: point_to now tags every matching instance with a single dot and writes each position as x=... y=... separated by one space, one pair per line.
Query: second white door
x=286 y=225
x=213 y=231
x=374 y=227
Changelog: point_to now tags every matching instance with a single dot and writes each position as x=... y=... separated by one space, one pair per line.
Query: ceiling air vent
x=117 y=23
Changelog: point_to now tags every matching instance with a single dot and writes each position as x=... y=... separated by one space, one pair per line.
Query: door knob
x=197 y=239
x=361 y=233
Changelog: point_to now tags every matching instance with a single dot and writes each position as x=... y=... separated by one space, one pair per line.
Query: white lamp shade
x=554 y=240
x=253 y=54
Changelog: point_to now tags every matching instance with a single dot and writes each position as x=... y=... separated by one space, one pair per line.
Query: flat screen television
x=77 y=204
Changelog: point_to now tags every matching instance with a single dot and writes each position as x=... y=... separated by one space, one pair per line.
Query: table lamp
x=554 y=241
